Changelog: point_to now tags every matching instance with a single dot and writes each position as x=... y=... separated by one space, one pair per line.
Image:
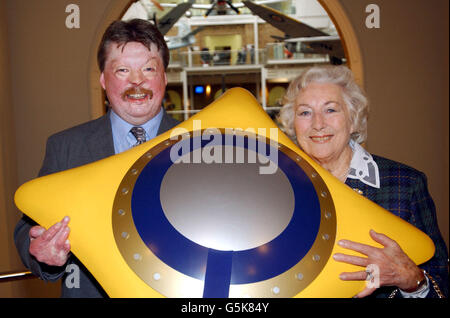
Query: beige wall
x=406 y=77
x=46 y=89
x=7 y=158
x=49 y=64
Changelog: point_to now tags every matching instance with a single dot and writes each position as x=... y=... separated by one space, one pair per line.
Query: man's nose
x=136 y=77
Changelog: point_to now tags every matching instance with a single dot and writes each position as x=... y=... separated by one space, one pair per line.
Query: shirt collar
x=123 y=138
x=363 y=167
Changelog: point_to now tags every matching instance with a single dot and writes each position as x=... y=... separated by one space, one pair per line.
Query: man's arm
x=34 y=256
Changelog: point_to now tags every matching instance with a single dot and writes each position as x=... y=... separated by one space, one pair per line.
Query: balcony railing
x=273 y=53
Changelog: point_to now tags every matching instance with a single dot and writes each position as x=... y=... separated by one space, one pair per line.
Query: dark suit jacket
x=71 y=148
x=404 y=192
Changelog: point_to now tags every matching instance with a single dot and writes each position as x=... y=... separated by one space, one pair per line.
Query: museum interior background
x=48 y=83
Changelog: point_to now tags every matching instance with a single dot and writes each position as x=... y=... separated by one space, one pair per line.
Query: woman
x=326 y=112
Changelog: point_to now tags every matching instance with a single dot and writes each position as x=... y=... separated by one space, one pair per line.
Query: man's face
x=134 y=80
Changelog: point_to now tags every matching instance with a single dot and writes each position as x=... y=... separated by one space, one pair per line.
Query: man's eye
x=122 y=70
x=331 y=110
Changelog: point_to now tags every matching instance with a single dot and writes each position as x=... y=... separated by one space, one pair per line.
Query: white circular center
x=227 y=206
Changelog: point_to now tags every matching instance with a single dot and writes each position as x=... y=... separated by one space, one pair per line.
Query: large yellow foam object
x=86 y=194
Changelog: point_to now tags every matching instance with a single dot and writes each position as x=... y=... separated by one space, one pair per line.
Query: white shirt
x=123 y=138
x=363 y=167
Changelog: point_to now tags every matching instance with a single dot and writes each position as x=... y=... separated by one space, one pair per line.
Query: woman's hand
x=395 y=268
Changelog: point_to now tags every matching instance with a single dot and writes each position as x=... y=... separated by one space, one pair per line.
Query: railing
x=279 y=53
x=13 y=276
x=273 y=53
x=217 y=58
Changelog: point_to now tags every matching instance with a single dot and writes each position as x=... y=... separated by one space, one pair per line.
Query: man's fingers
x=53 y=246
x=52 y=231
x=66 y=246
x=55 y=229
x=65 y=221
x=61 y=237
x=36 y=231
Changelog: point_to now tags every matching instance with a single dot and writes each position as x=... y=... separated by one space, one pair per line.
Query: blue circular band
x=247 y=266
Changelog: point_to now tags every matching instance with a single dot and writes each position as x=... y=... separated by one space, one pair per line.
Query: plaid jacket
x=403 y=191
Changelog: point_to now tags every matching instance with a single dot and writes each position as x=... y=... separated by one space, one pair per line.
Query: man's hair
x=136 y=30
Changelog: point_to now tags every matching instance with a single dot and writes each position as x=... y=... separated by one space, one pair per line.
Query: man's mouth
x=321 y=139
x=137 y=94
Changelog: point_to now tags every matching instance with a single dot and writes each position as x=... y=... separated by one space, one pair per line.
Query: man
x=132 y=57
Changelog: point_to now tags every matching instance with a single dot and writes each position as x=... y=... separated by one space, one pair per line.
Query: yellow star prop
x=88 y=195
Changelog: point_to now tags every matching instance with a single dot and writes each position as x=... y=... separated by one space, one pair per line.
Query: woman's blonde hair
x=354 y=97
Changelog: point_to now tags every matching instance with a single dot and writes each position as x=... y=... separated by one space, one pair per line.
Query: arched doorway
x=117 y=9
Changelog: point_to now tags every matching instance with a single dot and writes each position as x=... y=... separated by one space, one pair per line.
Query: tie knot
x=139 y=134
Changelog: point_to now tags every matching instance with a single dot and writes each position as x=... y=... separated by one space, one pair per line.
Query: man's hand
x=51 y=246
x=395 y=267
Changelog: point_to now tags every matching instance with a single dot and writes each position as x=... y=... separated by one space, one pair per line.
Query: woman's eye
x=303 y=113
x=149 y=69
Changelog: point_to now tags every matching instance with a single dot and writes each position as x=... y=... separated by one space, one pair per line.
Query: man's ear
x=102 y=81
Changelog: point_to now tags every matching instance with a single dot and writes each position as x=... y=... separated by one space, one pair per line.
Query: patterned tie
x=139 y=134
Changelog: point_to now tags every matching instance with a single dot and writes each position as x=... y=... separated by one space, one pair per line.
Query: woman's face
x=322 y=122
